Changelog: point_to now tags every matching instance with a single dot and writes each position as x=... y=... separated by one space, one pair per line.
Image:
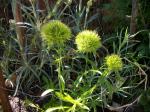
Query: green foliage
x=76 y=82
x=143 y=20
x=118 y=11
x=145 y=100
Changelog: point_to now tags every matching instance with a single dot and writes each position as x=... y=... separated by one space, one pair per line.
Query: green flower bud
x=114 y=62
x=89 y=3
x=88 y=41
x=55 y=32
x=68 y=2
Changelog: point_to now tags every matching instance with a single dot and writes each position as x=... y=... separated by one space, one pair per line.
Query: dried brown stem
x=134 y=14
x=41 y=5
x=20 y=30
x=124 y=106
x=4 y=95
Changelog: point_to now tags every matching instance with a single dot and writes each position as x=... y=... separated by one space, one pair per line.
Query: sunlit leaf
x=56 y=108
x=46 y=92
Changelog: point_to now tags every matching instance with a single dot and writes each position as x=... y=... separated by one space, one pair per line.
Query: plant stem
x=60 y=77
x=134 y=14
x=4 y=95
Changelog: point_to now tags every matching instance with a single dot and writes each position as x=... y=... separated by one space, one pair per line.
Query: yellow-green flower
x=114 y=62
x=88 y=41
x=55 y=32
x=89 y=3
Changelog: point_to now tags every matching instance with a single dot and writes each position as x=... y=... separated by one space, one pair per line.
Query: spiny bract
x=55 y=32
x=114 y=62
x=88 y=41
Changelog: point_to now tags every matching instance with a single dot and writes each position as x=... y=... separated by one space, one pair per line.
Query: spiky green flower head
x=114 y=62
x=55 y=32
x=88 y=41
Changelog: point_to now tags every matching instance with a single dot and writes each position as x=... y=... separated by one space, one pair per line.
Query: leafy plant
x=145 y=100
x=79 y=69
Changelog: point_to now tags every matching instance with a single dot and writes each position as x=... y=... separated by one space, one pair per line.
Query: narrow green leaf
x=56 y=108
x=62 y=82
x=46 y=92
x=88 y=93
x=65 y=97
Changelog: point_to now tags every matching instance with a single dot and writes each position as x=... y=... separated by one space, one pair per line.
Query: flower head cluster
x=55 y=32
x=114 y=62
x=89 y=3
x=88 y=41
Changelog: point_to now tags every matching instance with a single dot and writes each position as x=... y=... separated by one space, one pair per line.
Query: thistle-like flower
x=114 y=62
x=88 y=41
x=89 y=3
x=55 y=32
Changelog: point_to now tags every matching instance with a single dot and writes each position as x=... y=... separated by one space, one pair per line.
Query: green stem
x=86 y=62
x=60 y=77
x=102 y=79
x=85 y=20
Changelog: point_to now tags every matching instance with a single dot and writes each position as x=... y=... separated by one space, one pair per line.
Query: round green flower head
x=88 y=41
x=55 y=32
x=114 y=62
